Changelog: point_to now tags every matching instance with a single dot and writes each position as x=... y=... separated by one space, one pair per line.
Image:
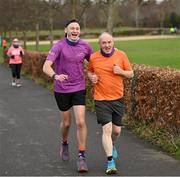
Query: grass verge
x=155 y=136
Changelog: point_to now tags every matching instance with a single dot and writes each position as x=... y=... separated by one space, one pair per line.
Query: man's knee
x=66 y=124
x=80 y=123
x=107 y=129
x=117 y=131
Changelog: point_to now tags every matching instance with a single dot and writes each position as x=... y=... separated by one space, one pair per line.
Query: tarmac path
x=123 y=38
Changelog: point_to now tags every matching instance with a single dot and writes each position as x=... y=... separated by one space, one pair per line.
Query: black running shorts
x=66 y=100
x=110 y=111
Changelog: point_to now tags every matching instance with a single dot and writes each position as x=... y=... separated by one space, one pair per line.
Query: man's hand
x=94 y=78
x=61 y=77
x=117 y=70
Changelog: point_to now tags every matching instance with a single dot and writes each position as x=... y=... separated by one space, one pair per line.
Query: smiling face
x=106 y=43
x=72 y=31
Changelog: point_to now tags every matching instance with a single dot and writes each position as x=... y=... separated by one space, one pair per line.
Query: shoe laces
x=111 y=164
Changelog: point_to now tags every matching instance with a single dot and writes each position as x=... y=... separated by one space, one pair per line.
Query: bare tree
x=107 y=6
x=109 y=26
x=73 y=4
x=138 y=4
x=23 y=15
x=50 y=4
x=50 y=23
x=85 y=5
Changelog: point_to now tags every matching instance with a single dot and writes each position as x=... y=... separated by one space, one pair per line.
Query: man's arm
x=47 y=68
x=92 y=77
x=124 y=73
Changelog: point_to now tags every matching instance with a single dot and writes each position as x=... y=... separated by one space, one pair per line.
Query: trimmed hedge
x=153 y=97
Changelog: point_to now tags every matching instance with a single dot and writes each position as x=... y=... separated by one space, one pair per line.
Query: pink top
x=16 y=53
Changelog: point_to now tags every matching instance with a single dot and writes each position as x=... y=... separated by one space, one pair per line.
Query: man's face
x=106 y=43
x=73 y=31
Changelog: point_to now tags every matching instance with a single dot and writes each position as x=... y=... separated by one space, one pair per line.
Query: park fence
x=151 y=97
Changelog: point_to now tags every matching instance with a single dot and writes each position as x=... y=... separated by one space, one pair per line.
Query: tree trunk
x=51 y=31
x=37 y=36
x=25 y=39
x=137 y=14
x=85 y=21
x=109 y=26
x=17 y=33
x=10 y=35
x=73 y=8
x=5 y=34
x=50 y=23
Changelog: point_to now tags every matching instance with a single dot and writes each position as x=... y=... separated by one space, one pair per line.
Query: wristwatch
x=53 y=76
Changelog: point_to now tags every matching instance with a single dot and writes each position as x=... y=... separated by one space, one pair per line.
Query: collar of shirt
x=72 y=43
x=107 y=54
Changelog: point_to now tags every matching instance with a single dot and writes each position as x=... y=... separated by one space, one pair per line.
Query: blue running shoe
x=114 y=152
x=111 y=167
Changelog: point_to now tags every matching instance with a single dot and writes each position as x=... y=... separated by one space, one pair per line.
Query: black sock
x=110 y=158
x=64 y=142
x=81 y=153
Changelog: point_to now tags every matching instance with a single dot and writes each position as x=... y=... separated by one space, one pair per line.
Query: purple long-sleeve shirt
x=68 y=59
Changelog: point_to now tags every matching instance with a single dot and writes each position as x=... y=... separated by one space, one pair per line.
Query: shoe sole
x=112 y=171
x=82 y=170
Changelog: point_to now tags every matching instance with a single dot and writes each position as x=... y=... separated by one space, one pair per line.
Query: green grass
x=1 y=51
x=154 y=52
x=42 y=48
x=159 y=137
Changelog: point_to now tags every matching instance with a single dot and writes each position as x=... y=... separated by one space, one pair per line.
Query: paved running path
x=122 y=38
x=29 y=128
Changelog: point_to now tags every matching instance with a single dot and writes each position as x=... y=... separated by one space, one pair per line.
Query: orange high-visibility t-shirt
x=109 y=86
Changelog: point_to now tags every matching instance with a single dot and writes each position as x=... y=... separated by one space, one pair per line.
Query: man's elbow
x=131 y=74
x=44 y=67
x=89 y=74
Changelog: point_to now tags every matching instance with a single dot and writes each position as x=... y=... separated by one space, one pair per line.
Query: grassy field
x=161 y=52
x=154 y=52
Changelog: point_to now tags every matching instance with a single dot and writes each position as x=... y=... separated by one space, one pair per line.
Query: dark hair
x=71 y=21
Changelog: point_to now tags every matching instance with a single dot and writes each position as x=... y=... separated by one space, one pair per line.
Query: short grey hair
x=104 y=33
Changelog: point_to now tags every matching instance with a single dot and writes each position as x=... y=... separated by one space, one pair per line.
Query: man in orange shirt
x=107 y=69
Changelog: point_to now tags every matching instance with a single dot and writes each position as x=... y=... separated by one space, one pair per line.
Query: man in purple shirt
x=68 y=56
